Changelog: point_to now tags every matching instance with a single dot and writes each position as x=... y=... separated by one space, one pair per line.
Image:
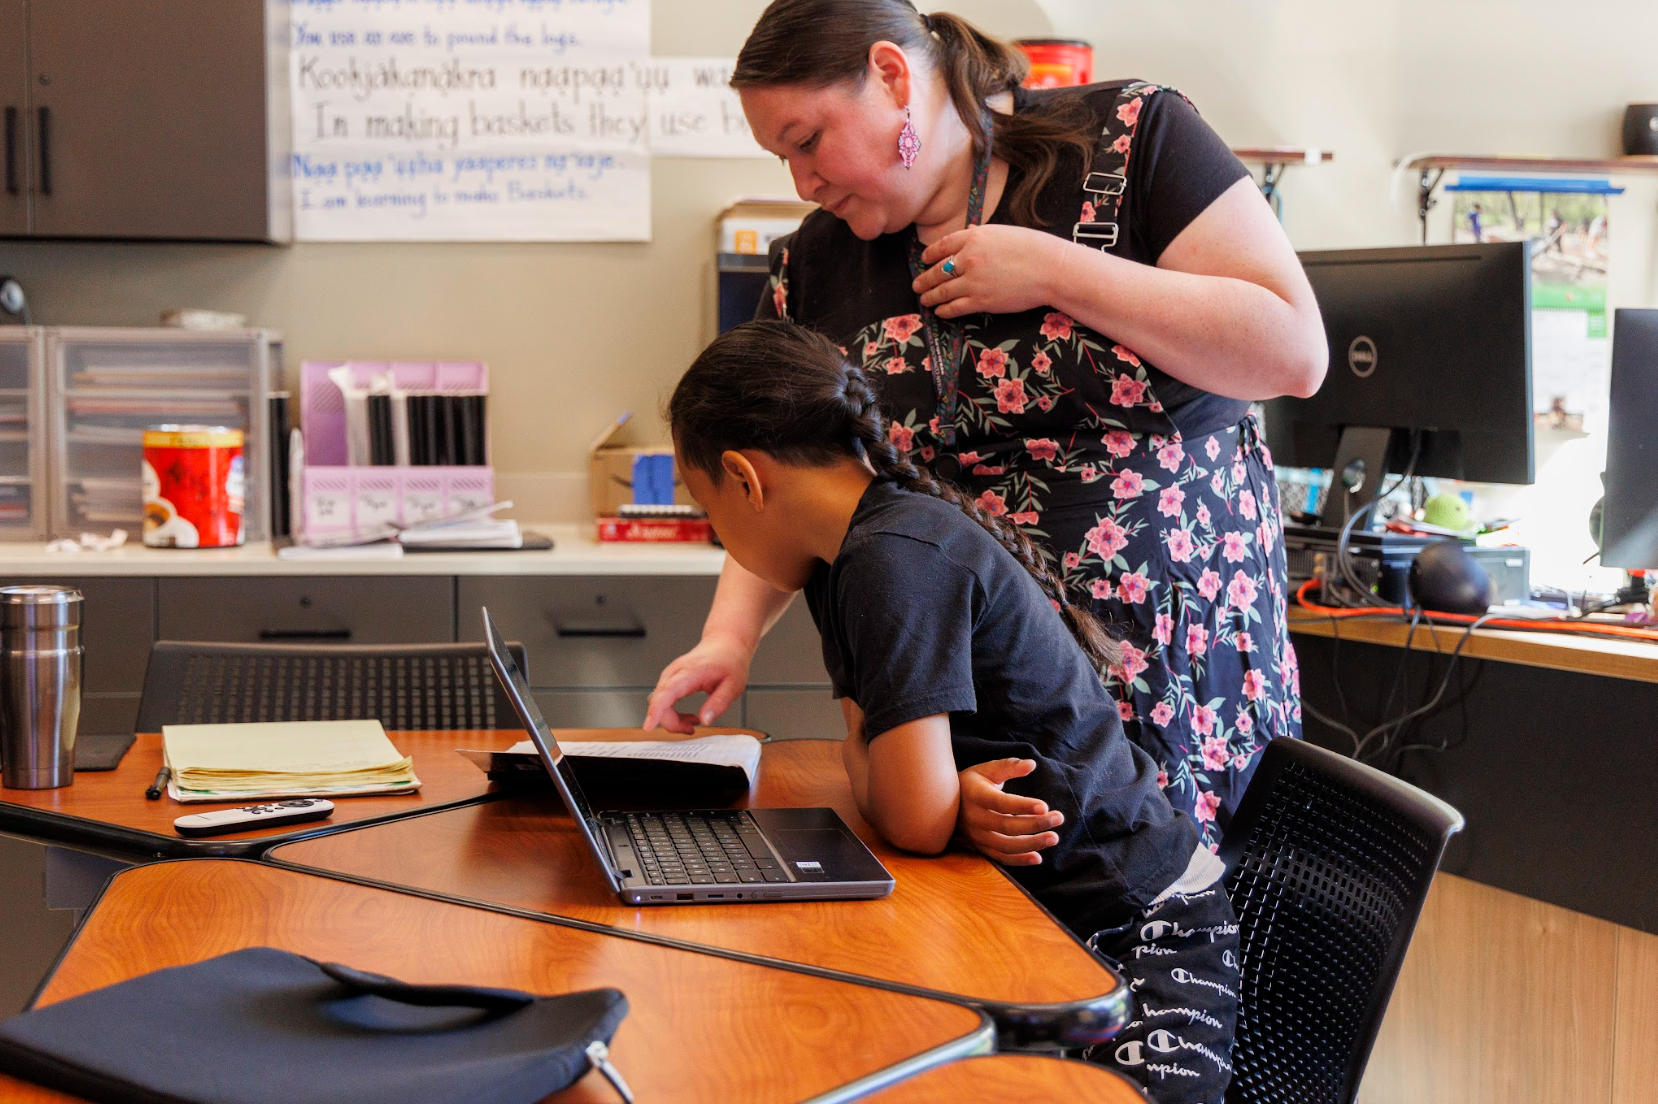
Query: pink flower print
x=902 y=327
x=1125 y=711
x=1215 y=484
x=1162 y=775
x=1132 y=587
x=1155 y=408
x=1157 y=440
x=896 y=366
x=1072 y=559
x=927 y=364
x=1126 y=355
x=1025 y=517
x=1240 y=592
x=1099 y=588
x=1180 y=545
x=988 y=469
x=902 y=437
x=1246 y=504
x=1266 y=458
x=1163 y=630
x=1044 y=403
x=1203 y=721
x=927 y=453
x=1010 y=396
x=992 y=364
x=1042 y=364
x=1133 y=665
x=1267 y=534
x=1122 y=143
x=1089 y=473
x=932 y=425
x=1128 y=484
x=1197 y=639
x=994 y=503
x=1129 y=113
x=1170 y=455
x=1245 y=642
x=1056 y=325
x=785 y=258
x=1087 y=211
x=1161 y=715
x=870 y=349
x=1203 y=513
x=1043 y=448
x=1254 y=685
x=1170 y=501
x=780 y=300
x=1238 y=473
x=1107 y=539
x=1118 y=442
x=1212 y=449
x=1245 y=726
x=1207 y=803
x=1215 y=755
x=1126 y=391
x=1208 y=585
x=1233 y=547
x=967 y=458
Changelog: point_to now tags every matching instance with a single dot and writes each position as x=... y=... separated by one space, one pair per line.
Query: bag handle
x=427 y=996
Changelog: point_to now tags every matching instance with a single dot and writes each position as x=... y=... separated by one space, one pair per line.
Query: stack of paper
x=703 y=769
x=227 y=762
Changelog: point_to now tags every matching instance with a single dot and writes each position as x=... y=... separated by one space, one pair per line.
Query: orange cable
x=1562 y=627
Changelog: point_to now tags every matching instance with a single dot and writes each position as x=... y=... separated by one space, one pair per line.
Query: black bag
x=263 y=1026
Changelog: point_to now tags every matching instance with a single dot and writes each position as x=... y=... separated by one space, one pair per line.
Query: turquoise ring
x=949 y=266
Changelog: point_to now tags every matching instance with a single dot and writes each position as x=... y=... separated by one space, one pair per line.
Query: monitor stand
x=1360 y=468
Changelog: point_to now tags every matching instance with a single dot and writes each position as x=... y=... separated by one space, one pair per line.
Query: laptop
x=701 y=856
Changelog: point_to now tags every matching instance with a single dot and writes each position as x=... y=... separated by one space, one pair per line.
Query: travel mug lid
x=39 y=605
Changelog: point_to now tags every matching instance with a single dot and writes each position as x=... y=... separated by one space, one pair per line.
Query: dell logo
x=1361 y=356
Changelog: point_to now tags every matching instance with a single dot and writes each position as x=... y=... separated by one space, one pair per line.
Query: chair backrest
x=403 y=686
x=1328 y=863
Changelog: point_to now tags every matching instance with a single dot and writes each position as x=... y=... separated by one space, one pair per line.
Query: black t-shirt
x=1178 y=167
x=922 y=612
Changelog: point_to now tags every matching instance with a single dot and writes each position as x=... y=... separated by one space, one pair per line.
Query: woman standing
x=1068 y=300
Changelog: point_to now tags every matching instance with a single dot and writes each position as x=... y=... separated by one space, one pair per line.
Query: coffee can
x=1057 y=62
x=194 y=485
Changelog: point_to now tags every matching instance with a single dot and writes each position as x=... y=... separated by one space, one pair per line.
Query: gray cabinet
x=15 y=172
x=308 y=610
x=117 y=628
x=153 y=119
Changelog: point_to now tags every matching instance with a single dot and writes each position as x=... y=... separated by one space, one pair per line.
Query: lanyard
x=944 y=338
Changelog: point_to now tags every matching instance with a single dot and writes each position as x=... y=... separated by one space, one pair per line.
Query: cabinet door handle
x=11 y=151
x=45 y=151
x=304 y=634
x=635 y=631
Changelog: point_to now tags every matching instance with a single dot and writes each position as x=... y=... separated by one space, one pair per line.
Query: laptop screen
x=558 y=766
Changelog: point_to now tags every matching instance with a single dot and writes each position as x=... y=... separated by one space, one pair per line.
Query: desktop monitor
x=1430 y=353
x=1629 y=517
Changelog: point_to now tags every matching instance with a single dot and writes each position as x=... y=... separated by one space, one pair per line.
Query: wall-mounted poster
x=1566 y=222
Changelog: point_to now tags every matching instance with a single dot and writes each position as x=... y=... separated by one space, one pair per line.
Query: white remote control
x=249 y=817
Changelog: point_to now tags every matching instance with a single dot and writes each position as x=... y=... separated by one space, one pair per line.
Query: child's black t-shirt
x=922 y=612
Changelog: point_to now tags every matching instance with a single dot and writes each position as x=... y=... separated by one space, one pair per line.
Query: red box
x=655 y=529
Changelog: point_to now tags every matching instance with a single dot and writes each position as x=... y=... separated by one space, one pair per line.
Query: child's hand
x=1005 y=827
x=713 y=665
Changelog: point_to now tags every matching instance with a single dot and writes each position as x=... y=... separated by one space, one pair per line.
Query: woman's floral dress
x=1175 y=537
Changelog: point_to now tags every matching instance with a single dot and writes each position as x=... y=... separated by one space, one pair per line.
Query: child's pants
x=1180 y=959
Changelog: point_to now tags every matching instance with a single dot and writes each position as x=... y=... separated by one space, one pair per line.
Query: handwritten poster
x=694 y=112
x=471 y=120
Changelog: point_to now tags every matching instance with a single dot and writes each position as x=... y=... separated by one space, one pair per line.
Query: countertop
x=574 y=552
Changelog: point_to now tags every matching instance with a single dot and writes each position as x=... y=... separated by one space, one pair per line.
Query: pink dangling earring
x=909 y=142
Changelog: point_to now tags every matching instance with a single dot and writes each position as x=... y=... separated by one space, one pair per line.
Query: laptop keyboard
x=702 y=849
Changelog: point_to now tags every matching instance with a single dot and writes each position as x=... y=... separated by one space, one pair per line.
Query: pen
x=160 y=783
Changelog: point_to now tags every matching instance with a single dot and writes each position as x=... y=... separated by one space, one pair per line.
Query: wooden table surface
x=955 y=924
x=109 y=808
x=701 y=1028
x=1012 y=1077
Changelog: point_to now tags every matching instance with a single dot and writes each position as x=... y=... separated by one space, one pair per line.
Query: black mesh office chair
x=403 y=686
x=1328 y=863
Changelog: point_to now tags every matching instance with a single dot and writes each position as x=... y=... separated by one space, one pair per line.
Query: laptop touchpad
x=822 y=854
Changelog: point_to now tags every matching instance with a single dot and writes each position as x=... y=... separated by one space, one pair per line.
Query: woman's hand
x=997 y=269
x=1005 y=827
x=716 y=665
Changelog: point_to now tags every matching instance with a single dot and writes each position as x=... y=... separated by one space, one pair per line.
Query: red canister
x=193 y=486
x=1057 y=62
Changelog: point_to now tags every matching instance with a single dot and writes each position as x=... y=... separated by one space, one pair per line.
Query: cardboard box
x=619 y=474
x=751 y=225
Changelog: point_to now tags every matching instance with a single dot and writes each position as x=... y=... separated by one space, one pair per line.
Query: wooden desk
x=1012 y=1077
x=701 y=1028
x=108 y=807
x=955 y=925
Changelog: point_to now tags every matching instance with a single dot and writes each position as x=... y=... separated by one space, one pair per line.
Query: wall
x=575 y=333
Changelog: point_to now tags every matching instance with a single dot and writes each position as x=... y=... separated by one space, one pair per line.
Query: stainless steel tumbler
x=40 y=685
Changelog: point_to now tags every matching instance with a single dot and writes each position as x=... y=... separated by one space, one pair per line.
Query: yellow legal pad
x=217 y=762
